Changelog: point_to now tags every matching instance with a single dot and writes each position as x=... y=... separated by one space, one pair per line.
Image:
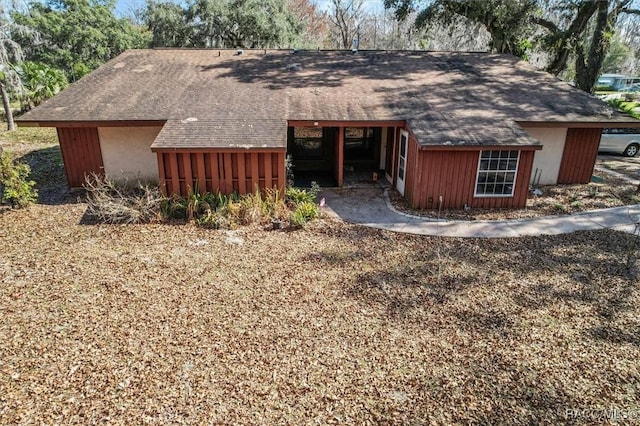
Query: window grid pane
x=497 y=173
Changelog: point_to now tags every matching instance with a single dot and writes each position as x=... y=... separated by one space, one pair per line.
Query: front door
x=402 y=161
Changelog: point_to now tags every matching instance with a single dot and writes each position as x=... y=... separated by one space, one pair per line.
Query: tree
x=243 y=23
x=345 y=17
x=10 y=54
x=40 y=82
x=314 y=32
x=508 y=21
x=583 y=30
x=618 y=58
x=169 y=24
x=77 y=36
x=580 y=30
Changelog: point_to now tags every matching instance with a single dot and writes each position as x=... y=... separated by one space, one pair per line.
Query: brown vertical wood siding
x=80 y=147
x=579 y=155
x=215 y=171
x=452 y=176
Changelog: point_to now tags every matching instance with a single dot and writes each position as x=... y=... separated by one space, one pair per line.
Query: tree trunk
x=563 y=39
x=588 y=67
x=7 y=108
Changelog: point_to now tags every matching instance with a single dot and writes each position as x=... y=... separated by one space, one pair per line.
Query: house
x=617 y=82
x=471 y=129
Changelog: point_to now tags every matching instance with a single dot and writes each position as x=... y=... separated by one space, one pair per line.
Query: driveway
x=629 y=166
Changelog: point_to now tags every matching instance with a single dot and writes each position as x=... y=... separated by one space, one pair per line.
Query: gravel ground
x=332 y=324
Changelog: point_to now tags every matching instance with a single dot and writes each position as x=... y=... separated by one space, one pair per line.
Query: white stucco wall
x=548 y=159
x=126 y=152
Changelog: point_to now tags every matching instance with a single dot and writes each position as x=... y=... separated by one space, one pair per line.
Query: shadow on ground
x=47 y=170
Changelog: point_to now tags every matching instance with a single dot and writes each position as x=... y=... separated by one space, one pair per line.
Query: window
x=615 y=131
x=307 y=143
x=358 y=137
x=497 y=173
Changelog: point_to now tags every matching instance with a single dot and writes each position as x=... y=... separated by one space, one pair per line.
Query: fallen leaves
x=332 y=324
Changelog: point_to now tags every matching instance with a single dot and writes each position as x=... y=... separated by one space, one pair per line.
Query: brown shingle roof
x=221 y=133
x=447 y=98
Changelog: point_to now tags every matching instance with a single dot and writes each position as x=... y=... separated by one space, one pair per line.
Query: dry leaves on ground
x=332 y=324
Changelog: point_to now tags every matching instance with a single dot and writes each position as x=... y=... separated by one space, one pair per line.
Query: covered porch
x=338 y=153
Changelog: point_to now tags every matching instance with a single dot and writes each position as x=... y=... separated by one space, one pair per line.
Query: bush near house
x=15 y=186
x=110 y=202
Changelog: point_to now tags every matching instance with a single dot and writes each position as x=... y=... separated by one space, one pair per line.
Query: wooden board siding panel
x=279 y=170
x=255 y=176
x=226 y=172
x=200 y=172
x=241 y=174
x=161 y=174
x=268 y=177
x=579 y=155
x=411 y=172
x=81 y=153
x=452 y=176
x=214 y=173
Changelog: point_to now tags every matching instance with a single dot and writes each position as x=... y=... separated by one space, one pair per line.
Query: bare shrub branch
x=110 y=202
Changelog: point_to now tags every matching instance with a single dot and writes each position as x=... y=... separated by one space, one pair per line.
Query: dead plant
x=112 y=202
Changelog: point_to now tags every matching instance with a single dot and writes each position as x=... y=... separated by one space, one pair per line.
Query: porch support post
x=340 y=157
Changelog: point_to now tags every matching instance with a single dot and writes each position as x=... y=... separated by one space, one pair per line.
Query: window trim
x=515 y=177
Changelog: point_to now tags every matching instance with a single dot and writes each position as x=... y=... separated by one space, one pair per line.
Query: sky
x=127 y=7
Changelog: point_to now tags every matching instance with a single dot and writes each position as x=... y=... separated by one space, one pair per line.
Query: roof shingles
x=246 y=100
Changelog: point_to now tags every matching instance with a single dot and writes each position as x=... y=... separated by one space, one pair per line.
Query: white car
x=620 y=141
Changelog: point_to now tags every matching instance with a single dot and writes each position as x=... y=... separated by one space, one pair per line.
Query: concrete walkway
x=372 y=207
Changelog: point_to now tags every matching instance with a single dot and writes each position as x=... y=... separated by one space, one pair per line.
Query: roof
x=222 y=133
x=218 y=98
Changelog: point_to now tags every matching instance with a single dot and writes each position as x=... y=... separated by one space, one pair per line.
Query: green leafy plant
x=560 y=207
x=626 y=106
x=219 y=211
x=40 y=81
x=175 y=207
x=304 y=212
x=298 y=195
x=15 y=186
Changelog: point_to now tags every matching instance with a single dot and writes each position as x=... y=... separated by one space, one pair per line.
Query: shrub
x=174 y=207
x=110 y=202
x=560 y=207
x=299 y=195
x=214 y=220
x=220 y=211
x=274 y=204
x=251 y=209
x=15 y=186
x=304 y=212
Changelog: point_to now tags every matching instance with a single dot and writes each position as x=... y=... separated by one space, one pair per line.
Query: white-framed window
x=497 y=172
